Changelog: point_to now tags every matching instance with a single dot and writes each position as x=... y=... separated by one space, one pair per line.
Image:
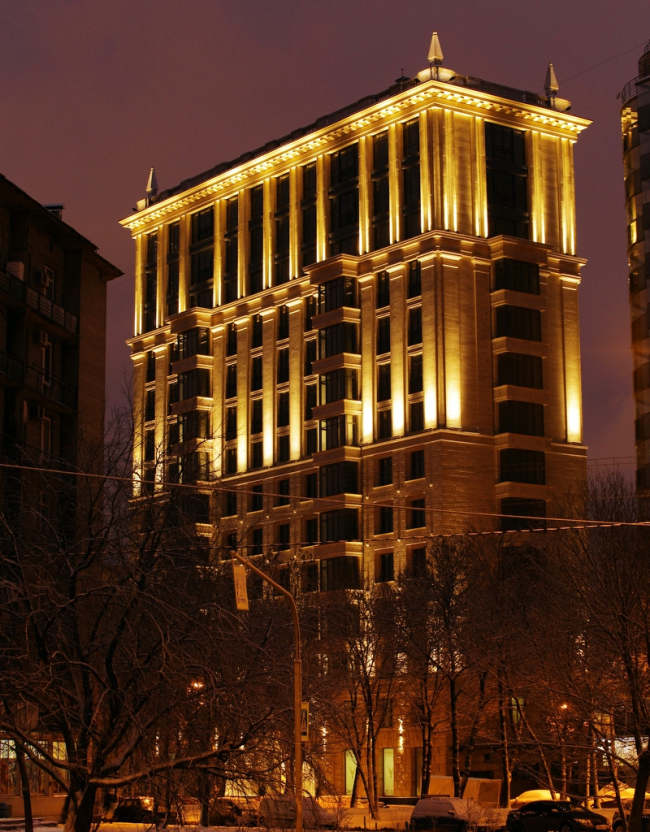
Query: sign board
x=241 y=594
x=304 y=721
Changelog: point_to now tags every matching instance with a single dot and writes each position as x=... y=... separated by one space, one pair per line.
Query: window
x=525 y=510
x=310 y=311
x=416 y=516
x=310 y=577
x=231 y=423
x=231 y=381
x=385 y=470
x=411 y=198
x=173 y=239
x=416 y=411
x=284 y=536
x=196 y=425
x=257 y=542
x=385 y=570
x=173 y=278
x=309 y=181
x=311 y=486
x=415 y=326
x=417 y=464
x=231 y=461
x=283 y=410
x=193 y=342
x=338 y=431
x=311 y=396
x=344 y=201
x=150 y=406
x=380 y=191
x=151 y=366
x=418 y=562
x=339 y=478
x=202 y=225
x=284 y=487
x=201 y=266
x=520 y=370
x=517 y=465
x=385 y=418
x=230 y=506
x=310 y=355
x=337 y=293
x=516 y=275
x=415 y=373
x=283 y=323
x=256 y=455
x=231 y=340
x=521 y=417
x=383 y=383
x=194 y=383
x=507 y=181
x=311 y=532
x=232 y=214
x=283 y=365
x=414 y=287
x=152 y=249
x=308 y=207
x=256 y=373
x=283 y=448
x=338 y=385
x=257 y=498
x=383 y=290
x=256 y=331
x=231 y=259
x=256 y=416
x=339 y=573
x=338 y=339
x=149 y=445
x=384 y=520
x=311 y=441
x=518 y=322
x=383 y=335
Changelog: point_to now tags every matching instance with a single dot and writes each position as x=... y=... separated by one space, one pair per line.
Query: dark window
x=309 y=181
x=283 y=365
x=385 y=470
x=257 y=542
x=380 y=191
x=337 y=293
x=152 y=249
x=414 y=288
x=310 y=311
x=311 y=347
x=311 y=531
x=309 y=229
x=284 y=491
x=517 y=465
x=149 y=445
x=344 y=165
x=384 y=520
x=256 y=416
x=344 y=201
x=311 y=486
x=173 y=239
x=257 y=498
x=202 y=267
x=310 y=576
x=517 y=276
x=338 y=385
x=416 y=416
x=256 y=331
x=385 y=418
x=196 y=508
x=172 y=287
x=520 y=370
x=418 y=562
x=380 y=151
x=383 y=335
x=194 y=383
x=256 y=455
x=283 y=410
x=202 y=225
x=411 y=140
x=230 y=507
x=284 y=535
x=340 y=524
x=195 y=425
x=339 y=478
x=256 y=373
x=193 y=342
x=417 y=464
x=521 y=417
x=337 y=339
x=383 y=290
x=231 y=340
x=151 y=366
x=415 y=326
x=311 y=441
x=416 y=516
x=283 y=323
x=231 y=460
x=282 y=250
x=231 y=423
x=518 y=322
x=411 y=179
x=507 y=181
x=339 y=573
x=231 y=381
x=232 y=214
x=173 y=433
x=338 y=431
x=385 y=568
x=283 y=448
x=151 y=292
x=526 y=512
x=415 y=373
x=150 y=406
x=311 y=395
x=383 y=383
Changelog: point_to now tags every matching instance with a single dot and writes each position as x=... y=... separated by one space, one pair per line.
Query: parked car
x=617 y=823
x=448 y=813
x=137 y=810
x=554 y=816
x=279 y=811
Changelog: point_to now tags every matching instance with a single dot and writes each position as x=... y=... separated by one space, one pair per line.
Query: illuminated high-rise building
x=635 y=117
x=367 y=330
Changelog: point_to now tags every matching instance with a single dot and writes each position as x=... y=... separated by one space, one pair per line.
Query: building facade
x=635 y=120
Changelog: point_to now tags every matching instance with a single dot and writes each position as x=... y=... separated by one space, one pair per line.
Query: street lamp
x=297 y=682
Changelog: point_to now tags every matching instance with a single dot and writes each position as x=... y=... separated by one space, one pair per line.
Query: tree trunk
x=642 y=775
x=355 y=785
x=80 y=810
x=455 y=744
x=505 y=752
x=471 y=742
x=24 y=784
x=204 y=799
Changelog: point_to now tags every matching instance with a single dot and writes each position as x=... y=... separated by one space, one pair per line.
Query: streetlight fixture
x=297 y=678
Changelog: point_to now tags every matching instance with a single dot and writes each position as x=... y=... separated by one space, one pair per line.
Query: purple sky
x=94 y=92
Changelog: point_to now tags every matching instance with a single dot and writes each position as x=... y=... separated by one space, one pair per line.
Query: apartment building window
x=518 y=322
x=256 y=416
x=174 y=394
x=283 y=365
x=340 y=524
x=194 y=383
x=256 y=239
x=231 y=340
x=414 y=285
x=231 y=245
x=150 y=406
x=256 y=331
x=256 y=373
x=338 y=431
x=193 y=342
x=149 y=445
x=507 y=181
x=196 y=508
x=517 y=465
x=230 y=507
x=385 y=420
x=383 y=290
x=231 y=423
x=282 y=202
x=311 y=396
x=231 y=461
x=383 y=335
x=338 y=339
x=411 y=199
x=417 y=464
x=257 y=541
x=520 y=370
x=195 y=467
x=311 y=348
x=380 y=191
x=231 y=381
x=344 y=201
x=521 y=417
x=516 y=275
x=256 y=455
x=416 y=416
x=311 y=486
x=173 y=239
x=339 y=573
x=310 y=311
x=284 y=536
x=151 y=283
x=339 y=478
x=173 y=434
x=526 y=513
x=338 y=385
x=415 y=326
x=201 y=258
x=196 y=425
x=385 y=470
x=283 y=410
x=415 y=373
x=283 y=448
x=202 y=226
x=311 y=441
x=337 y=293
x=257 y=498
x=284 y=491
x=385 y=569
x=173 y=254
x=283 y=323
x=311 y=533
x=384 y=520
x=416 y=515
x=383 y=383
x=308 y=210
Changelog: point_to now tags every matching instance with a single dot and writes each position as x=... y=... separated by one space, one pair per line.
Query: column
x=269 y=233
x=425 y=171
x=322 y=207
x=294 y=222
x=429 y=353
x=161 y=275
x=138 y=420
x=571 y=336
x=140 y=244
x=219 y=208
x=365 y=199
x=184 y=263
x=242 y=243
x=394 y=167
x=451 y=311
x=479 y=178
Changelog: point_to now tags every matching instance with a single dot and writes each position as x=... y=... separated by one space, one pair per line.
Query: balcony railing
x=19 y=290
x=50 y=386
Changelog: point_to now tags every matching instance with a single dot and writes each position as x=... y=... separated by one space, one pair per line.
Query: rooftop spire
x=152 y=184
x=551 y=85
x=435 y=50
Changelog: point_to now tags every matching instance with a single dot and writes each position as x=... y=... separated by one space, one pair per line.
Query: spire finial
x=551 y=84
x=152 y=184
x=435 y=51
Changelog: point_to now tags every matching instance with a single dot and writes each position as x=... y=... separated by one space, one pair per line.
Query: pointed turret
x=435 y=51
x=551 y=85
x=152 y=184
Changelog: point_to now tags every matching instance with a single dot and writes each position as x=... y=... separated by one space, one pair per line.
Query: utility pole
x=297 y=684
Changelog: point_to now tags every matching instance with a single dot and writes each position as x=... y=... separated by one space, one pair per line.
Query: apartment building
x=366 y=331
x=635 y=121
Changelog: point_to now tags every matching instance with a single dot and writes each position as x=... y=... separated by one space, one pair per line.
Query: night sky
x=95 y=92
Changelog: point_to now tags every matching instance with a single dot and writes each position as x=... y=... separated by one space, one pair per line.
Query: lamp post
x=297 y=685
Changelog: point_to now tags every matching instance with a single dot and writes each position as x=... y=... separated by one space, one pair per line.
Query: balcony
x=20 y=291
x=50 y=386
